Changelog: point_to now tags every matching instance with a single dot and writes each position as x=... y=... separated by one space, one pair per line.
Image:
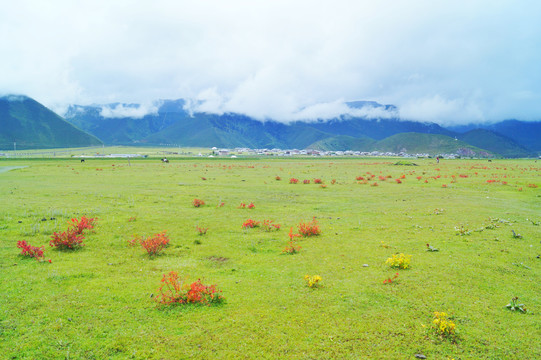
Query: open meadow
x=470 y=232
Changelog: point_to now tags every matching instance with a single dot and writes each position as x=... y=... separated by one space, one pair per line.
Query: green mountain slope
x=31 y=125
x=200 y=131
x=427 y=143
x=122 y=130
x=495 y=143
x=344 y=142
x=233 y=130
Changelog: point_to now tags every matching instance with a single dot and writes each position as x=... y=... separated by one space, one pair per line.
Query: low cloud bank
x=137 y=111
x=211 y=102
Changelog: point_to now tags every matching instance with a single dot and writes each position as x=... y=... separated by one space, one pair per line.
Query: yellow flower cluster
x=312 y=281
x=442 y=324
x=399 y=261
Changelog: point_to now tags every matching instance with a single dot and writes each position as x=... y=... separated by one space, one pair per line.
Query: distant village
x=309 y=152
x=247 y=152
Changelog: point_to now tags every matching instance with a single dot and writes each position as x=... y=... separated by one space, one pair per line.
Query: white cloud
x=135 y=111
x=211 y=102
x=454 y=61
x=440 y=110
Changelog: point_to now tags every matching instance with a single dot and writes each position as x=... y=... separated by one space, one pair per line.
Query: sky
x=449 y=62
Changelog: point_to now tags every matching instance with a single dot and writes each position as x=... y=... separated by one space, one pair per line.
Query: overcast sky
x=442 y=61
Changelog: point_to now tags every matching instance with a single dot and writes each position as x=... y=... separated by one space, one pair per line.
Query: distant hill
x=432 y=144
x=411 y=143
x=31 y=125
x=377 y=128
x=494 y=142
x=234 y=130
x=124 y=130
x=525 y=133
x=344 y=142
x=170 y=123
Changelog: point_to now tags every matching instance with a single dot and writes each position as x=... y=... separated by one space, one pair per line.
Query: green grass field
x=99 y=302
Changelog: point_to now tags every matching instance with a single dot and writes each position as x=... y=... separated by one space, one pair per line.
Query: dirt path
x=8 y=168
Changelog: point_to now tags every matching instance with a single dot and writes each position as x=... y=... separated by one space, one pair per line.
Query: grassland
x=98 y=302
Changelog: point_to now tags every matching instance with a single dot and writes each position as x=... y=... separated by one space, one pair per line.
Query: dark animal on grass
x=165 y=160
x=82 y=160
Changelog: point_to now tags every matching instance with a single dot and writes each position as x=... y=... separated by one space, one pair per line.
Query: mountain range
x=27 y=124
x=168 y=122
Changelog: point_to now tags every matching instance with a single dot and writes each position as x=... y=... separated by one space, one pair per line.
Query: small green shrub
x=515 y=306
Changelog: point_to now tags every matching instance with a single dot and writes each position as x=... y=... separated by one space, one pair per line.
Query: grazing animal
x=82 y=160
x=165 y=160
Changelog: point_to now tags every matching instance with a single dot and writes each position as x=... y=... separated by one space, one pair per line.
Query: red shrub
x=30 y=251
x=291 y=248
x=269 y=226
x=309 y=229
x=251 y=206
x=293 y=181
x=74 y=236
x=248 y=224
x=198 y=202
x=318 y=181
x=291 y=235
x=306 y=181
x=391 y=280
x=135 y=240
x=70 y=239
x=201 y=231
x=83 y=224
x=174 y=291
x=155 y=244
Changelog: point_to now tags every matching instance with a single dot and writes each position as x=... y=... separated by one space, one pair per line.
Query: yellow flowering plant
x=313 y=281
x=399 y=261
x=443 y=325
